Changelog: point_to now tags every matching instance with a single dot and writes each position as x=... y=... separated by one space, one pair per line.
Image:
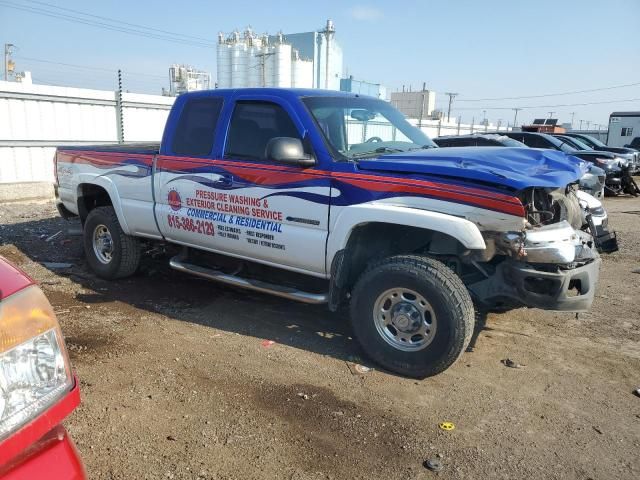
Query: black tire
x=125 y=257
x=442 y=289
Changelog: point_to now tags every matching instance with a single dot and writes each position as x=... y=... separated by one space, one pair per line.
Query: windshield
x=577 y=143
x=356 y=127
x=510 y=142
x=560 y=143
x=594 y=142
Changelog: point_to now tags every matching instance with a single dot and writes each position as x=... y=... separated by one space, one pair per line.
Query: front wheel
x=110 y=252
x=412 y=315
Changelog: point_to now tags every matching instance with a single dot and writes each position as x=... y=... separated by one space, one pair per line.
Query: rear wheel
x=110 y=252
x=412 y=315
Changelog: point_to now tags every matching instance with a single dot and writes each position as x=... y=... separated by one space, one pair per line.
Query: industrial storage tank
x=239 y=62
x=224 y=62
x=282 y=65
x=255 y=58
x=301 y=72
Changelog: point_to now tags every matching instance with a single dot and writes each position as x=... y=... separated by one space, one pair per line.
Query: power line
x=550 y=94
x=113 y=20
x=86 y=67
x=93 y=23
x=557 y=105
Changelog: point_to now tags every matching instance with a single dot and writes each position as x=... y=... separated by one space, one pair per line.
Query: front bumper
x=53 y=457
x=557 y=268
x=549 y=287
x=42 y=448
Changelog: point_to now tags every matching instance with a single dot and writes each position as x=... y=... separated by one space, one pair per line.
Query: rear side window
x=486 y=142
x=196 y=127
x=535 y=141
x=252 y=125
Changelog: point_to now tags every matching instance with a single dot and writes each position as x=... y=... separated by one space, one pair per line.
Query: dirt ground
x=177 y=383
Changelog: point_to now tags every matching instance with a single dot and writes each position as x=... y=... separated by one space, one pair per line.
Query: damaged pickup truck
x=325 y=197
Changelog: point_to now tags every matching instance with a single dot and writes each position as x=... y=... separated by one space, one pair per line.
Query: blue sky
x=480 y=49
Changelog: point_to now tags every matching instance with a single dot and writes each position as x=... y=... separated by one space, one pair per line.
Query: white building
x=623 y=127
x=301 y=60
x=183 y=78
x=324 y=50
x=415 y=104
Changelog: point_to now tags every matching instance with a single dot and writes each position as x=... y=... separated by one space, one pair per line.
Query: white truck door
x=273 y=213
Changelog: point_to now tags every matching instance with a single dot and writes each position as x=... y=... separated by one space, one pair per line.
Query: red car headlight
x=34 y=367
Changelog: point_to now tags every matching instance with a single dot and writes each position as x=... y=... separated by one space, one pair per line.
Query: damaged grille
x=545 y=206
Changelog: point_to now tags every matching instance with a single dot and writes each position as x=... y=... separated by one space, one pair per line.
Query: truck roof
x=280 y=92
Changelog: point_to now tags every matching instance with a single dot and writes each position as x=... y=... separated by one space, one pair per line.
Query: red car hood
x=12 y=279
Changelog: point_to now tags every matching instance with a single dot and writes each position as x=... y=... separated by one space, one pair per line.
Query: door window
x=534 y=141
x=252 y=125
x=196 y=127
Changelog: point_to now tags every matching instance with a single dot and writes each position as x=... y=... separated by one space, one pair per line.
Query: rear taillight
x=34 y=367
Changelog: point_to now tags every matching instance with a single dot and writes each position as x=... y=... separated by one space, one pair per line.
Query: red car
x=37 y=386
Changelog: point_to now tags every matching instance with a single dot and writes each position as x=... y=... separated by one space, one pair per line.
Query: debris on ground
x=358 y=368
x=304 y=396
x=637 y=392
x=171 y=438
x=55 y=235
x=267 y=343
x=74 y=231
x=597 y=429
x=55 y=265
x=448 y=426
x=635 y=270
x=433 y=464
x=507 y=362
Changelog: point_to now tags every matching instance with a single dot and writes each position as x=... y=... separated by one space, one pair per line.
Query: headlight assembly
x=34 y=367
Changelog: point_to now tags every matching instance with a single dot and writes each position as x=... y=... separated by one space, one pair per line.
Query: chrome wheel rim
x=102 y=244
x=404 y=319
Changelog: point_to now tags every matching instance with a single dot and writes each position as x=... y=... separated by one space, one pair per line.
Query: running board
x=292 y=294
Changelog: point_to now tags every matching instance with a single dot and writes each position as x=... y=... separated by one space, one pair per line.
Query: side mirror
x=288 y=150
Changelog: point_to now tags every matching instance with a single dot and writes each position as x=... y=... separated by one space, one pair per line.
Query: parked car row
x=615 y=165
x=592 y=182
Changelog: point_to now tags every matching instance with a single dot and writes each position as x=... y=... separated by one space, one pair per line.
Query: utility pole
x=8 y=63
x=573 y=114
x=328 y=33
x=551 y=114
x=119 y=109
x=262 y=56
x=424 y=89
x=588 y=124
x=499 y=123
x=581 y=124
x=451 y=97
x=515 y=115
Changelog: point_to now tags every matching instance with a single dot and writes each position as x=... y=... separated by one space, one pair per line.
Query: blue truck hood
x=515 y=168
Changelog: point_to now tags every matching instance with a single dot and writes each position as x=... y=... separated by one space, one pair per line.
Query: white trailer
x=623 y=128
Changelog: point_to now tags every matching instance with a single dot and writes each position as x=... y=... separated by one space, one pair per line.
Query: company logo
x=174 y=200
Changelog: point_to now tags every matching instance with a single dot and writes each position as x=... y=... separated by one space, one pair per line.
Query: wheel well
x=89 y=197
x=373 y=241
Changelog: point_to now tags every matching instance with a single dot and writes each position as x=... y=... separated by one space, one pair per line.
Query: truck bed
x=149 y=148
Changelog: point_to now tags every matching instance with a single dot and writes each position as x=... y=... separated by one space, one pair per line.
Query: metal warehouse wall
x=34 y=119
